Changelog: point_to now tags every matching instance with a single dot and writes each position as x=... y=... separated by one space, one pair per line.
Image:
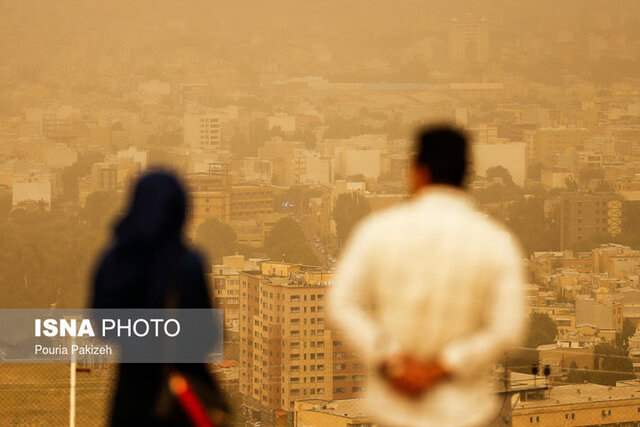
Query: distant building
x=312 y=168
x=61 y=124
x=469 y=40
x=601 y=314
x=580 y=405
x=585 y=217
x=617 y=261
x=359 y=161
x=135 y=155
x=202 y=130
x=288 y=352
x=195 y=94
x=551 y=144
x=210 y=195
x=254 y=170
x=334 y=413
x=225 y=281
x=33 y=190
x=251 y=201
x=285 y=122
x=58 y=155
x=282 y=155
x=556 y=178
x=104 y=176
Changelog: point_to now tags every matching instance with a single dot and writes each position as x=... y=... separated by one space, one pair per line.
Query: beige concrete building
x=604 y=314
x=225 y=281
x=202 y=131
x=551 y=144
x=587 y=405
x=213 y=197
x=251 y=201
x=617 y=261
x=210 y=195
x=287 y=350
x=282 y=155
x=331 y=413
x=587 y=216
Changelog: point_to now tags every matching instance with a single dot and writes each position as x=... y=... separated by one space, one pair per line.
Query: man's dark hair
x=443 y=150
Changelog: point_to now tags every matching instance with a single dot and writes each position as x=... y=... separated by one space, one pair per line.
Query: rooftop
x=582 y=393
x=348 y=408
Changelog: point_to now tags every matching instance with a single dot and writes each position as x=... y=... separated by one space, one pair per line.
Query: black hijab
x=156 y=214
x=147 y=255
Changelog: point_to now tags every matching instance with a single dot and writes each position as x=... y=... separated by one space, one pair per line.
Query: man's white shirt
x=433 y=278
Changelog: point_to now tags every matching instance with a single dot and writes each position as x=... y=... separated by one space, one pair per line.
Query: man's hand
x=412 y=377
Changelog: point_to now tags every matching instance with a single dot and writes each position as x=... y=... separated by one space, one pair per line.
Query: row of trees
x=46 y=257
x=286 y=241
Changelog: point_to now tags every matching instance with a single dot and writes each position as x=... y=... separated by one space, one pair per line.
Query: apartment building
x=202 y=131
x=603 y=313
x=251 y=201
x=332 y=413
x=225 y=281
x=617 y=261
x=210 y=194
x=288 y=352
x=588 y=216
x=580 y=405
x=213 y=196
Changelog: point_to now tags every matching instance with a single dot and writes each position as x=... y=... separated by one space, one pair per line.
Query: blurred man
x=431 y=295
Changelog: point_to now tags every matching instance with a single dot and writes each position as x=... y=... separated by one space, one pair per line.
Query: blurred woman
x=150 y=266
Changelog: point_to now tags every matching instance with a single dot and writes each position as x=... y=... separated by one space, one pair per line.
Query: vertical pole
x=72 y=387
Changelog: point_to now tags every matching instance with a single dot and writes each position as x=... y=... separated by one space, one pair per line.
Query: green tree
x=537 y=232
x=350 y=208
x=217 y=239
x=71 y=174
x=502 y=173
x=622 y=338
x=542 y=330
x=101 y=208
x=614 y=364
x=287 y=242
x=522 y=360
x=45 y=258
